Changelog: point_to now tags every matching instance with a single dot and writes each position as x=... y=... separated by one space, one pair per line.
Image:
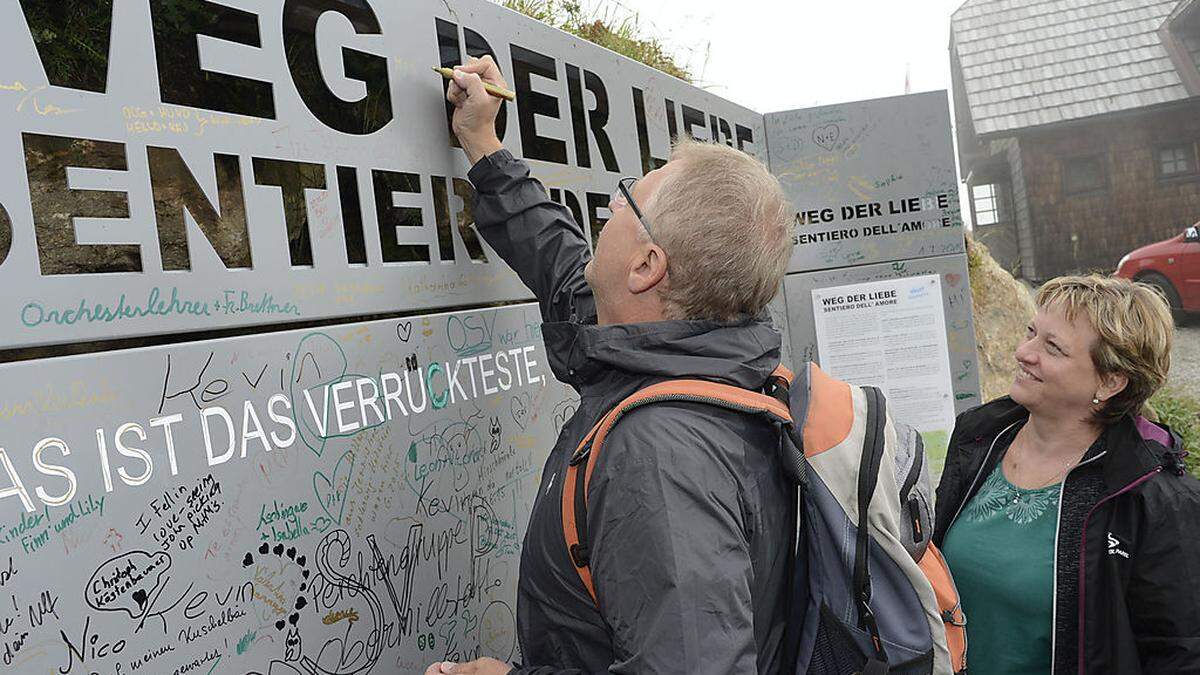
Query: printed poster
x=892 y=334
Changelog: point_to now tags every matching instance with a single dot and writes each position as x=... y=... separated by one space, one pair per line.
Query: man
x=691 y=518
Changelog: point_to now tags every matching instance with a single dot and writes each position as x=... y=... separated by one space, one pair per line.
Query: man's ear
x=647 y=269
x=1111 y=385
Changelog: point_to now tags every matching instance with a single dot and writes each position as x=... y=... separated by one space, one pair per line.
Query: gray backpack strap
x=916 y=491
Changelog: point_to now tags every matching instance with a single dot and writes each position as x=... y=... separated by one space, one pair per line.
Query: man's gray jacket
x=691 y=518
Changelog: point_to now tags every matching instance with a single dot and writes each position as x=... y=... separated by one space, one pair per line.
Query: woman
x=1067 y=520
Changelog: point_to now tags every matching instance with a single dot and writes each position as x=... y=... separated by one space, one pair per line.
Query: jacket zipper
x=1083 y=552
x=978 y=473
x=1057 y=527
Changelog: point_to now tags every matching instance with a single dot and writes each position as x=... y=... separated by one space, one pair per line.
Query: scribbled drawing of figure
x=292 y=646
x=113 y=539
x=495 y=429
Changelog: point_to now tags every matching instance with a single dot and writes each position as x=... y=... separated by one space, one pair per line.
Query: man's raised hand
x=475 y=111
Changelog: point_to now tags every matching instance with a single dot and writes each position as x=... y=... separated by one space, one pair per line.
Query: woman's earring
x=1095 y=401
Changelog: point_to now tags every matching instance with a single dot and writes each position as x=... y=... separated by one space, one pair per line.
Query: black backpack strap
x=868 y=478
x=796 y=394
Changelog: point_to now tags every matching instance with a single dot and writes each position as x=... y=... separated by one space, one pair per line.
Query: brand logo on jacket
x=1114 y=546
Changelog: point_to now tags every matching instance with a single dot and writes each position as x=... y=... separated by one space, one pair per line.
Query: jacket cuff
x=491 y=172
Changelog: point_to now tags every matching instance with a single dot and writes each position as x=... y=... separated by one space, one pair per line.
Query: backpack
x=876 y=599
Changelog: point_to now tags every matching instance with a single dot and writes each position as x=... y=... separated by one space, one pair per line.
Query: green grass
x=1182 y=413
x=623 y=35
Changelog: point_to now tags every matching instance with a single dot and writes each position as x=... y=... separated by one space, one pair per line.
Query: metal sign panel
x=871 y=181
x=960 y=328
x=347 y=500
x=177 y=165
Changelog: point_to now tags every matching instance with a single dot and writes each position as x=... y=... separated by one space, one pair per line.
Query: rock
x=1003 y=308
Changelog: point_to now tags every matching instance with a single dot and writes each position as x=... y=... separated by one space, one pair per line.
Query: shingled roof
x=1026 y=63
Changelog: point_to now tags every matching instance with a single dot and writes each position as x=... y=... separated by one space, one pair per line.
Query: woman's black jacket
x=1127 y=553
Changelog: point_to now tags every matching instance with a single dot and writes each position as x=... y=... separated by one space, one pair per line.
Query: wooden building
x=1078 y=127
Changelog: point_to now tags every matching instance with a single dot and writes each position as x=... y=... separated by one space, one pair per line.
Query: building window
x=990 y=202
x=1177 y=160
x=1085 y=174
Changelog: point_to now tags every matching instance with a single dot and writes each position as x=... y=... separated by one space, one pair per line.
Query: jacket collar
x=741 y=353
x=1127 y=454
x=1133 y=454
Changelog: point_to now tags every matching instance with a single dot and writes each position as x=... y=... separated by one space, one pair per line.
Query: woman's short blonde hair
x=724 y=223
x=1135 y=327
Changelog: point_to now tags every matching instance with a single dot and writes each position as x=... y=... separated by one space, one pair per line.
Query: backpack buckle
x=777 y=387
x=579 y=555
x=580 y=456
x=952 y=617
x=867 y=621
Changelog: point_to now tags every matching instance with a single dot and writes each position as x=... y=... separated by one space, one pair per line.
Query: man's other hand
x=477 y=667
x=475 y=110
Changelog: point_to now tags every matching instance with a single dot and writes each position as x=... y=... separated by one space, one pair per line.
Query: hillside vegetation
x=623 y=35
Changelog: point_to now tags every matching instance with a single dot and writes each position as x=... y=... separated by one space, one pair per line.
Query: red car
x=1173 y=266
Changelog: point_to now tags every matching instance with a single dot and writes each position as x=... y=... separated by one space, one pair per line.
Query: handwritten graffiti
x=126 y=582
x=332 y=550
x=331 y=492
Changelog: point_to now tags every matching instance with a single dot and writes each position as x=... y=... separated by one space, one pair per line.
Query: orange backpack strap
x=938 y=572
x=583 y=461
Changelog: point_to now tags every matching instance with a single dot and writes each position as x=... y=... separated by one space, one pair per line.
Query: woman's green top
x=1001 y=553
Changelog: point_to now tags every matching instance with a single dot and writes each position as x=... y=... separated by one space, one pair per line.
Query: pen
x=498 y=92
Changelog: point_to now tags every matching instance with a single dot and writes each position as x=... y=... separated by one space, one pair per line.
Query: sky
x=779 y=55
x=772 y=55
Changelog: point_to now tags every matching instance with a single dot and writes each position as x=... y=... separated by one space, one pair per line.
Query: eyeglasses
x=624 y=195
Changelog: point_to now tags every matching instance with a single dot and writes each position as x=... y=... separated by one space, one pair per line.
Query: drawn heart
x=404 y=330
x=320 y=362
x=295 y=617
x=139 y=596
x=304 y=573
x=248 y=560
x=519 y=407
x=330 y=491
x=280 y=624
x=291 y=553
x=264 y=548
x=827 y=136
x=300 y=561
x=301 y=603
x=278 y=550
x=562 y=414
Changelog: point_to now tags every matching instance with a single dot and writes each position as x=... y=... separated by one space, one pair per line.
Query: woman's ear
x=647 y=269
x=1111 y=384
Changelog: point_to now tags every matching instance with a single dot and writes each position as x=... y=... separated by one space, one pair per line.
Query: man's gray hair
x=725 y=225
